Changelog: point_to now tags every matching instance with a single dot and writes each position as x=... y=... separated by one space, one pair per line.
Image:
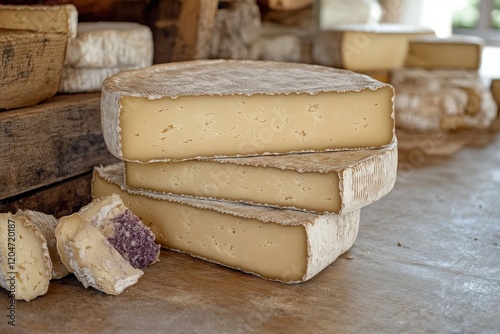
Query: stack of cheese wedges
x=259 y=166
x=101 y=49
x=33 y=41
x=440 y=89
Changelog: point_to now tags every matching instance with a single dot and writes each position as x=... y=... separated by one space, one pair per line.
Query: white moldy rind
x=231 y=79
x=327 y=235
x=338 y=182
x=110 y=44
x=85 y=80
x=430 y=100
x=61 y=19
x=47 y=225
x=25 y=265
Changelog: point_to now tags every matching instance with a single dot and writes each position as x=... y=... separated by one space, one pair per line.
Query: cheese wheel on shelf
x=277 y=244
x=339 y=182
x=87 y=80
x=215 y=108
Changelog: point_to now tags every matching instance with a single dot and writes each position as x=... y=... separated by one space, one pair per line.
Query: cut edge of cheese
x=62 y=19
x=172 y=84
x=339 y=182
x=32 y=268
x=325 y=237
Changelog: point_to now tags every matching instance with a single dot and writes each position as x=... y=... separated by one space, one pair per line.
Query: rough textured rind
x=28 y=285
x=47 y=225
x=321 y=230
x=221 y=78
x=110 y=44
x=430 y=100
x=61 y=19
x=364 y=175
x=104 y=268
x=86 y=80
x=127 y=233
x=31 y=66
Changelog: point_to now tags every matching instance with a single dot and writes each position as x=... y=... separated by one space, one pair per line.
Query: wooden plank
x=59 y=199
x=50 y=142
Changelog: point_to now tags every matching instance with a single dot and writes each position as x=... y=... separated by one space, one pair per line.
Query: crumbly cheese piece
x=278 y=244
x=31 y=66
x=209 y=108
x=128 y=235
x=456 y=52
x=361 y=47
x=338 y=182
x=61 y=19
x=25 y=266
x=430 y=100
x=47 y=225
x=86 y=80
x=93 y=260
x=110 y=44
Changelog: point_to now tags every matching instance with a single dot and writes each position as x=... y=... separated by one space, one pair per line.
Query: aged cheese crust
x=25 y=265
x=325 y=236
x=47 y=225
x=430 y=100
x=86 y=80
x=61 y=19
x=31 y=66
x=110 y=44
x=347 y=181
x=174 y=84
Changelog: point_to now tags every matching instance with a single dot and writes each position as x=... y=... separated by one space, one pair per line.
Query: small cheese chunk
x=94 y=261
x=61 y=19
x=110 y=44
x=31 y=67
x=47 y=225
x=361 y=47
x=209 y=108
x=25 y=266
x=87 y=80
x=457 y=52
x=128 y=235
x=339 y=182
x=430 y=100
x=278 y=244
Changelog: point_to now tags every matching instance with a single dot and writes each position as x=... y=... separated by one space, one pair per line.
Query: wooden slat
x=60 y=199
x=50 y=142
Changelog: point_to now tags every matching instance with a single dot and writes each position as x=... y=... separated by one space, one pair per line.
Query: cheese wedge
x=210 y=108
x=25 y=266
x=429 y=100
x=111 y=44
x=278 y=244
x=89 y=255
x=61 y=19
x=338 y=182
x=47 y=225
x=361 y=47
x=31 y=66
x=456 y=52
x=86 y=80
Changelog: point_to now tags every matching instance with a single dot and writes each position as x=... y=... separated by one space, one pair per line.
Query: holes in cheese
x=278 y=244
x=209 y=108
x=25 y=265
x=339 y=182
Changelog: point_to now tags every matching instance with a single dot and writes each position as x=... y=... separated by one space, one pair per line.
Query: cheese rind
x=365 y=47
x=62 y=19
x=47 y=225
x=25 y=265
x=86 y=80
x=338 y=182
x=31 y=66
x=456 y=52
x=110 y=44
x=278 y=244
x=242 y=108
